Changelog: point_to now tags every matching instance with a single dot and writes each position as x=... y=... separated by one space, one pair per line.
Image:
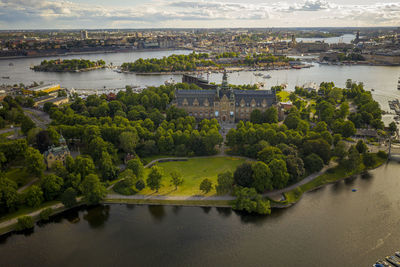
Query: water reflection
x=157 y=212
x=130 y=206
x=176 y=209
x=96 y=216
x=206 y=209
x=224 y=212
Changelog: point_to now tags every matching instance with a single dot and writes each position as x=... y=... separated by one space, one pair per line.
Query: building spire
x=224 y=84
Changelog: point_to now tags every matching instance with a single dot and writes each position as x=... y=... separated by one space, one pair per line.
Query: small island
x=206 y=62
x=69 y=65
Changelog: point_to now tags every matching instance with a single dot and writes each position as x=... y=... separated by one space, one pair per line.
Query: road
x=40 y=118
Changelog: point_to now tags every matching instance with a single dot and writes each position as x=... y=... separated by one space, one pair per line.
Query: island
x=206 y=62
x=144 y=148
x=69 y=65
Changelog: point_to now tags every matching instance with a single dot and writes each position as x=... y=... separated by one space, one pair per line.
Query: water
x=381 y=78
x=332 y=226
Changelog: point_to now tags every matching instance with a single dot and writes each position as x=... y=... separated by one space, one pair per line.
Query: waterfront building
x=224 y=103
x=47 y=88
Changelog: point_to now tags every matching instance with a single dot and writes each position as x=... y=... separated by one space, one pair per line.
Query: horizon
x=209 y=14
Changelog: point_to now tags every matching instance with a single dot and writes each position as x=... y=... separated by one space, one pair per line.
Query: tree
x=313 y=163
x=34 y=162
x=154 y=179
x=128 y=141
x=369 y=160
x=176 y=178
x=262 y=177
x=68 y=198
x=224 y=183
x=8 y=194
x=92 y=189
x=140 y=185
x=108 y=170
x=51 y=186
x=361 y=147
x=319 y=147
x=280 y=176
x=34 y=196
x=292 y=120
x=340 y=151
x=295 y=167
x=348 y=129
x=206 y=186
x=243 y=175
x=26 y=125
x=82 y=164
x=25 y=222
x=136 y=166
x=45 y=214
x=269 y=153
x=392 y=128
x=248 y=200
x=353 y=159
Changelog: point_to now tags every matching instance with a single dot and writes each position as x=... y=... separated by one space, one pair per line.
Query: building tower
x=224 y=84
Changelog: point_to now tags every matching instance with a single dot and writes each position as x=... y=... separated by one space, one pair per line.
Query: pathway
x=40 y=118
x=21 y=189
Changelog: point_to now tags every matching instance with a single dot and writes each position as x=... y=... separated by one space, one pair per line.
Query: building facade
x=223 y=103
x=58 y=153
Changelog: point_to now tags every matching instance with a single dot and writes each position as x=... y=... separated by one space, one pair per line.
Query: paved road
x=40 y=118
x=9 y=130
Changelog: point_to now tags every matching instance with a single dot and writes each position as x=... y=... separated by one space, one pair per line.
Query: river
x=331 y=226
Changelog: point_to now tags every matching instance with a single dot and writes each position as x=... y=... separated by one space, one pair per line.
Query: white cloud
x=50 y=13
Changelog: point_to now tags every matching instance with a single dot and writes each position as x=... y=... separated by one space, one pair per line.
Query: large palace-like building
x=224 y=103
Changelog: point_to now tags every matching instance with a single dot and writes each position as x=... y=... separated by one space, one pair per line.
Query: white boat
x=267 y=76
x=170 y=82
x=258 y=74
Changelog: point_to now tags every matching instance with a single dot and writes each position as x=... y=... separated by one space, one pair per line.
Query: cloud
x=36 y=13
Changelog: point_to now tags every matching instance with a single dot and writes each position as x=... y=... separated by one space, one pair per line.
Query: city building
x=84 y=35
x=224 y=103
x=43 y=88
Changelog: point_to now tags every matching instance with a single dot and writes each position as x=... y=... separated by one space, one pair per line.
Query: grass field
x=193 y=172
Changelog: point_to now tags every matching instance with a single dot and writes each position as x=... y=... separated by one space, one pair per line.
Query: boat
x=258 y=74
x=381 y=264
x=170 y=82
x=5 y=77
x=372 y=89
x=393 y=260
x=397 y=253
x=398 y=85
x=267 y=76
x=10 y=64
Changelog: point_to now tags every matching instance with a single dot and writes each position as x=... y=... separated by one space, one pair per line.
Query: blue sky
x=92 y=14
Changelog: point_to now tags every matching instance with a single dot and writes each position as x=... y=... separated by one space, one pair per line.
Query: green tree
x=340 y=151
x=140 y=185
x=313 y=163
x=25 y=222
x=348 y=129
x=45 y=214
x=128 y=141
x=280 y=176
x=34 y=162
x=206 y=185
x=361 y=147
x=248 y=200
x=8 y=194
x=34 y=196
x=369 y=160
x=136 y=166
x=243 y=175
x=176 y=178
x=51 y=186
x=108 y=170
x=224 y=183
x=154 y=179
x=26 y=125
x=269 y=153
x=392 y=128
x=262 y=177
x=68 y=198
x=92 y=189
x=295 y=167
x=353 y=159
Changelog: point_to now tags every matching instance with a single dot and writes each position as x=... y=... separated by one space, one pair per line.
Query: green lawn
x=19 y=175
x=193 y=171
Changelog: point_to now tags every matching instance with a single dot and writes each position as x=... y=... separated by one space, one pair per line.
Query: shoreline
x=10 y=225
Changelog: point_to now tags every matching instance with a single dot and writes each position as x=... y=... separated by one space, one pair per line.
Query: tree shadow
x=157 y=212
x=96 y=216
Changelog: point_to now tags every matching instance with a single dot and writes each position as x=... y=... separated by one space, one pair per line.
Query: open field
x=193 y=172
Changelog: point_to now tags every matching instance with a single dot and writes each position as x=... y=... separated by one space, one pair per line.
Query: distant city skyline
x=91 y=14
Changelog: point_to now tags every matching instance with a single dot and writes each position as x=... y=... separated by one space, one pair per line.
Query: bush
x=25 y=222
x=124 y=189
x=45 y=214
x=369 y=160
x=140 y=185
x=382 y=154
x=68 y=198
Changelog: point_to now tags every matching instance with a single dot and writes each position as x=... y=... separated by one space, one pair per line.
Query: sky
x=95 y=14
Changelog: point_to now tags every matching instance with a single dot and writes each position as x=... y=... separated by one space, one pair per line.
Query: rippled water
x=332 y=226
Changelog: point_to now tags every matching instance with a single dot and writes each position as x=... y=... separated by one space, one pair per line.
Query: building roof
x=43 y=87
x=59 y=150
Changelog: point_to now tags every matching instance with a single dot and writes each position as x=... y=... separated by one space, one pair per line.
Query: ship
x=267 y=76
x=398 y=85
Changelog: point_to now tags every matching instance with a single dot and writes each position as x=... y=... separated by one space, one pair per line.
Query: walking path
x=21 y=189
